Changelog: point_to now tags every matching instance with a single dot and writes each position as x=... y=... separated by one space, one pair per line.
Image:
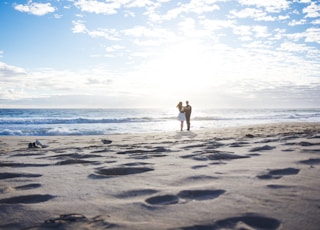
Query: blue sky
x=154 y=53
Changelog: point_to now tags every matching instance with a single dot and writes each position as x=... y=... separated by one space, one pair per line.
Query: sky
x=155 y=53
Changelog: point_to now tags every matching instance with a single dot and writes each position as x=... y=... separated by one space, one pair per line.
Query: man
x=188 y=110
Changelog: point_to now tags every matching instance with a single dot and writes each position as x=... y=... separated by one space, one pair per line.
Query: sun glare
x=183 y=67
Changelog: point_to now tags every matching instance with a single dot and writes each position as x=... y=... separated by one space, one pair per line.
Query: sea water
x=50 y=122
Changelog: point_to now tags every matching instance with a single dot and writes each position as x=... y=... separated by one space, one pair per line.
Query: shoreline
x=280 y=128
x=257 y=176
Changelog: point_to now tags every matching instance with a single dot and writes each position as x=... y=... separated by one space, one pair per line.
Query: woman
x=181 y=117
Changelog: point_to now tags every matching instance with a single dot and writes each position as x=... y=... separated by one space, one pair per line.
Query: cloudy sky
x=154 y=53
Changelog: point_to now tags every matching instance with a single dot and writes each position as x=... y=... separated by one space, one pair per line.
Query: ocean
x=58 y=122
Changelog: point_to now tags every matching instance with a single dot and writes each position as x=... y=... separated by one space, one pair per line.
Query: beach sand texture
x=253 y=177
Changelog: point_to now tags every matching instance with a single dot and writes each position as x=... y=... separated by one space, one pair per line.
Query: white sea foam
x=45 y=122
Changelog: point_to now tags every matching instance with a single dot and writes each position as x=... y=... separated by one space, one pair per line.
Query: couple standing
x=184 y=114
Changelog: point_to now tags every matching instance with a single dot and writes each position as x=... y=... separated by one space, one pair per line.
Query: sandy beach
x=252 y=177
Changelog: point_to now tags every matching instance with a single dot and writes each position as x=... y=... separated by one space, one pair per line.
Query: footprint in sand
x=28 y=199
x=75 y=221
x=241 y=222
x=75 y=158
x=311 y=161
x=262 y=148
x=76 y=161
x=101 y=151
x=268 y=141
x=239 y=144
x=186 y=195
x=278 y=186
x=200 y=194
x=201 y=178
x=119 y=171
x=21 y=165
x=136 y=164
x=28 y=186
x=15 y=175
x=278 y=173
x=9 y=189
x=163 y=200
x=214 y=145
x=199 y=166
x=305 y=143
x=158 y=149
x=302 y=143
x=253 y=154
x=136 y=193
x=313 y=151
x=139 y=154
x=28 y=154
x=214 y=155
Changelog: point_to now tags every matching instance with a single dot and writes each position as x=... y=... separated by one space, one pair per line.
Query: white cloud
x=199 y=6
x=212 y=24
x=298 y=22
x=283 y=17
x=94 y=6
x=139 y=3
x=261 y=31
x=303 y=1
x=12 y=94
x=278 y=34
x=79 y=27
x=244 y=32
x=249 y=32
x=111 y=6
x=114 y=48
x=295 y=36
x=17 y=83
x=270 y=5
x=294 y=47
x=10 y=71
x=38 y=9
x=57 y=16
x=312 y=10
x=256 y=14
x=316 y=22
x=109 y=34
x=194 y=6
x=312 y=35
x=149 y=36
